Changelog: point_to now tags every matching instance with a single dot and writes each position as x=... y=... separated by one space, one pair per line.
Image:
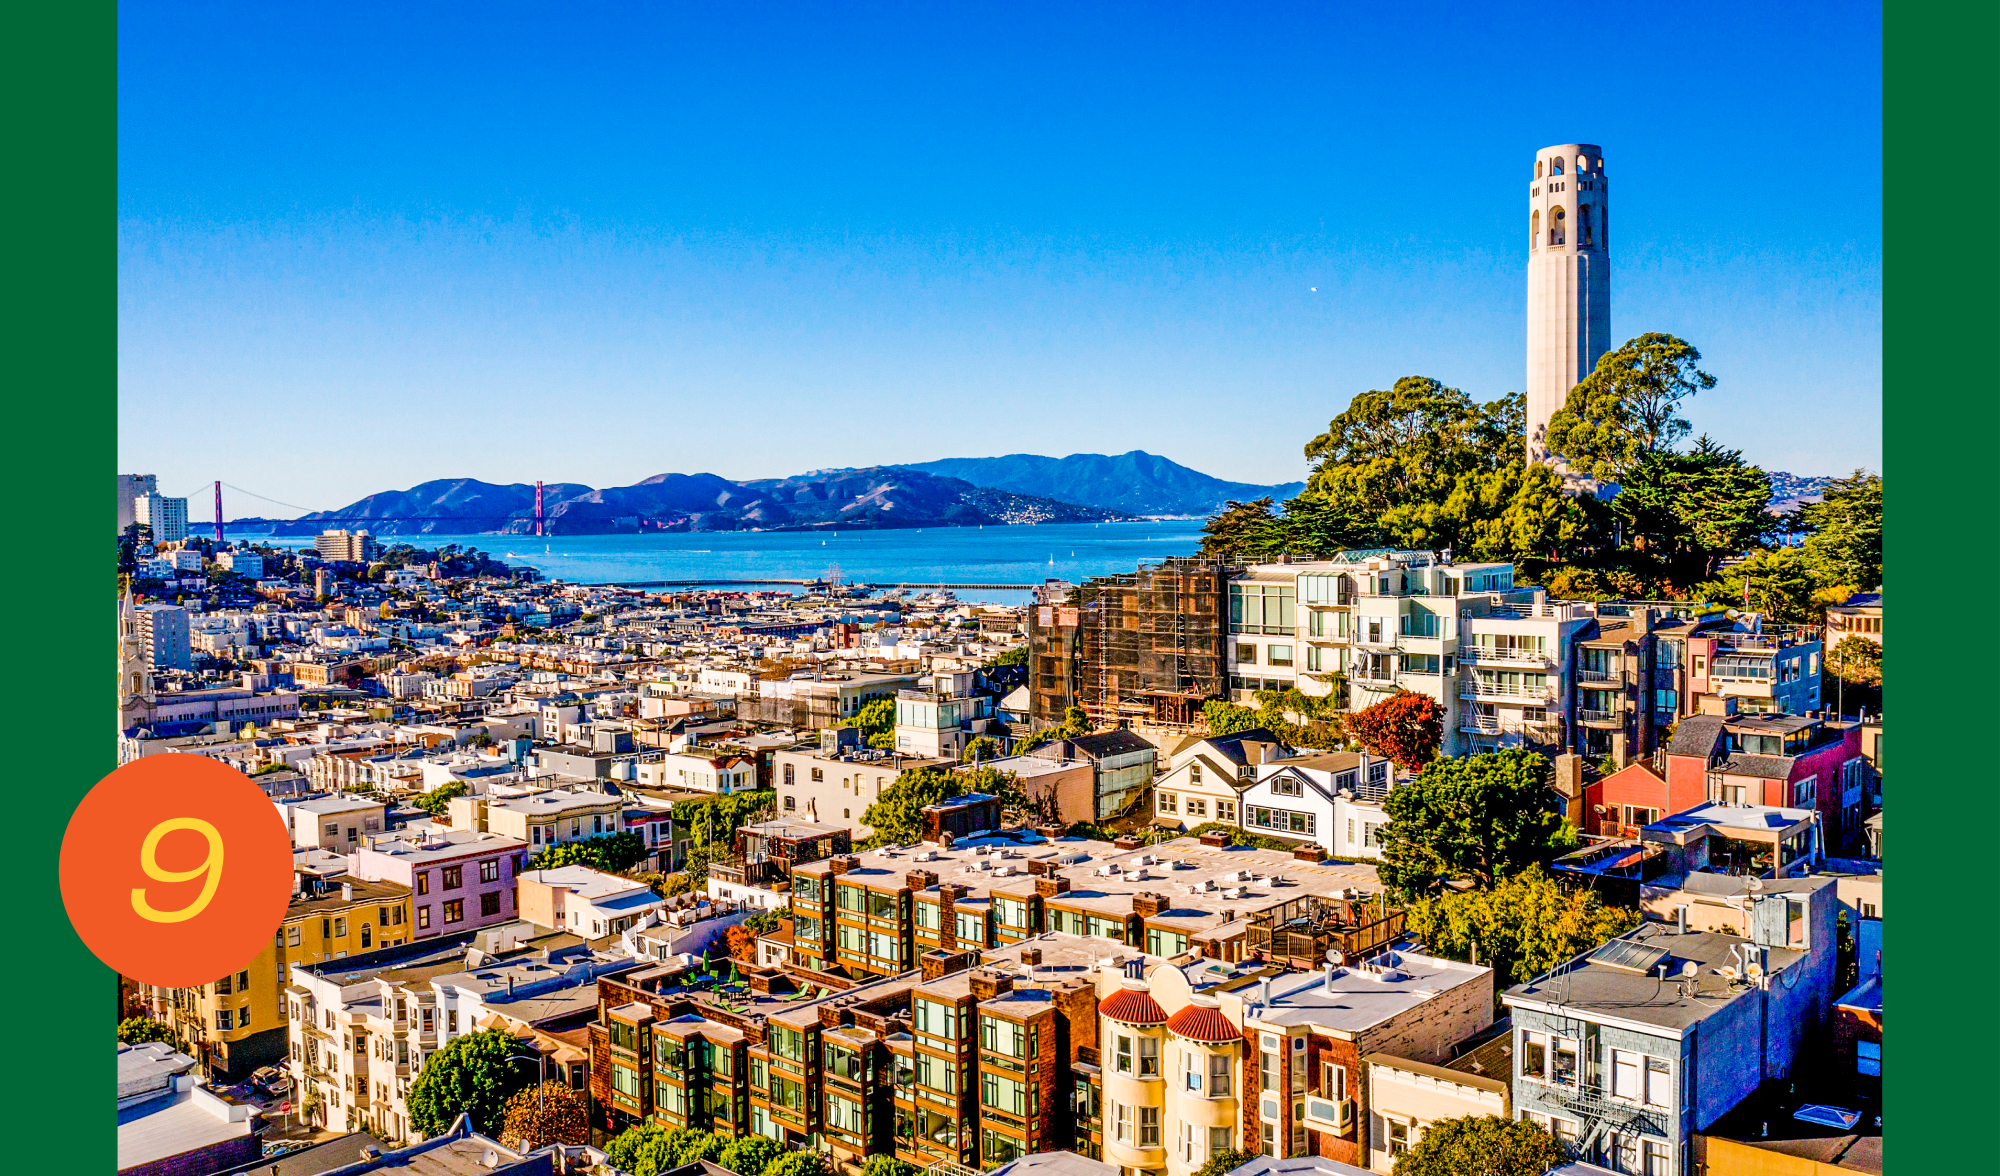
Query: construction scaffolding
x=1145 y=646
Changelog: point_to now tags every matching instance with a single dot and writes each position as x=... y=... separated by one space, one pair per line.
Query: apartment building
x=236 y=1025
x=875 y=913
x=585 y=902
x=937 y=720
x=1144 y=646
x=346 y=546
x=1627 y=1052
x=166 y=517
x=834 y=785
x=1761 y=668
x=336 y=824
x=759 y=870
x=1860 y=615
x=459 y=879
x=361 y=1029
x=692 y=770
x=162 y=633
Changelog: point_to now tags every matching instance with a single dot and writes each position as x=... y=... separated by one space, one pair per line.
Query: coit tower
x=1569 y=279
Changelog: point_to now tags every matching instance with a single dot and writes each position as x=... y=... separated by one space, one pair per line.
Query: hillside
x=1137 y=482
x=876 y=497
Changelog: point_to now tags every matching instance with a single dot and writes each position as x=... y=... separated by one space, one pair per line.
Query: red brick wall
x=203 y=1160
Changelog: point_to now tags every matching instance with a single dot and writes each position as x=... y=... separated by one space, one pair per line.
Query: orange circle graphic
x=176 y=870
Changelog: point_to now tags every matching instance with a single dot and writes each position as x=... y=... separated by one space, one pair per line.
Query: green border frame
x=62 y=377
x=1941 y=443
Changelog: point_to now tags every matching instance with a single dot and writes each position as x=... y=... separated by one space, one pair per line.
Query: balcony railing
x=1509 y=657
x=1597 y=675
x=1597 y=716
x=1543 y=730
x=1475 y=687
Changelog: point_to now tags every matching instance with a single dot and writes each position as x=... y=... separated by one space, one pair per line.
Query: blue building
x=1627 y=1052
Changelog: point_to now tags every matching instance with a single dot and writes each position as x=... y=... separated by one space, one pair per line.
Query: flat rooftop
x=1757 y=818
x=1359 y=998
x=1588 y=985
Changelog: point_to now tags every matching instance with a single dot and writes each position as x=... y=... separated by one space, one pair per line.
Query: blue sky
x=364 y=246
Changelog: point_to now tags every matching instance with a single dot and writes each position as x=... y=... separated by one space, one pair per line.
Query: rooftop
x=1354 y=999
x=585 y=882
x=1588 y=985
x=1720 y=815
x=1768 y=1120
x=441 y=845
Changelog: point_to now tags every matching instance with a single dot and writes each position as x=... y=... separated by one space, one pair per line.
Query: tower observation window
x=1556 y=225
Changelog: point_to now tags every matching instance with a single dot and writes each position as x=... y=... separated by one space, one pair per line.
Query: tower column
x=1569 y=281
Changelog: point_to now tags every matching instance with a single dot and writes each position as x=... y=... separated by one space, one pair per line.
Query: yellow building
x=237 y=1024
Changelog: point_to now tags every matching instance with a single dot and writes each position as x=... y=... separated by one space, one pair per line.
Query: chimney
x=1146 y=904
x=1264 y=993
x=986 y=984
x=1215 y=840
x=1125 y=843
x=347 y=892
x=841 y=863
x=1049 y=887
x=1309 y=853
x=921 y=879
x=1031 y=956
x=1037 y=866
x=1681 y=918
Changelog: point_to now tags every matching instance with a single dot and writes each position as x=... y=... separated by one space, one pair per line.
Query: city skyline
x=1030 y=243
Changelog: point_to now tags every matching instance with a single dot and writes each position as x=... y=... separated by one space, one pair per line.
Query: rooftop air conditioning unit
x=1232 y=893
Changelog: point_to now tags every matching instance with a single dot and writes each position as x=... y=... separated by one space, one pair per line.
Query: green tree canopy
x=1478 y=819
x=1225 y=1162
x=612 y=852
x=897 y=814
x=887 y=1165
x=797 y=1163
x=1856 y=659
x=472 y=1075
x=877 y=722
x=1777 y=583
x=750 y=1155
x=1074 y=723
x=140 y=1030
x=1844 y=532
x=1523 y=927
x=1628 y=407
x=1688 y=511
x=1243 y=532
x=1484 y=1145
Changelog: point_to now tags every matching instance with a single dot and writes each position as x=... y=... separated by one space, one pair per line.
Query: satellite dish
x=1335 y=957
x=1756 y=885
x=1690 y=969
x=1754 y=972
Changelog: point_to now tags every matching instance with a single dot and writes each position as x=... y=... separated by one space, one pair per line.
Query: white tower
x=1569 y=279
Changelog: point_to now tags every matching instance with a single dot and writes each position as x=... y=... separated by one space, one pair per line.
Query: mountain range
x=875 y=497
x=1138 y=482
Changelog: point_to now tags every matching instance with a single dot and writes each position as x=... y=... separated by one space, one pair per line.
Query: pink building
x=459 y=880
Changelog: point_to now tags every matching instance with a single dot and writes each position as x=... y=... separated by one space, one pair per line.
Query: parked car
x=271 y=1082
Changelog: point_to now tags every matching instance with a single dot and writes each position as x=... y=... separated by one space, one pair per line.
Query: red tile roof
x=1132 y=1007
x=1202 y=1024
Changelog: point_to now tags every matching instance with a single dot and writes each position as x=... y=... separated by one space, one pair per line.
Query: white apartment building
x=693 y=771
x=1331 y=798
x=1496 y=658
x=162 y=630
x=168 y=517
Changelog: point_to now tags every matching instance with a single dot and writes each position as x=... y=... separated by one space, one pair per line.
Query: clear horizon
x=363 y=250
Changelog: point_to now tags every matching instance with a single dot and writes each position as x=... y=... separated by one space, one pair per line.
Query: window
x=1640 y=816
x=489 y=904
x=423 y=917
x=1332 y=1081
x=454 y=877
x=1287 y=786
x=1656 y=1158
x=1194 y=773
x=368 y=935
x=1169 y=803
x=1197 y=806
x=791 y=802
x=222 y=987
x=1659 y=1087
x=1149 y=1061
x=1246 y=654
x=926 y=915
x=1399 y=1136
x=1868 y=1058
x=1124 y=1055
x=1563 y=1059
x=936 y=1018
x=1583 y=224
x=1225 y=810
x=1218 y=1140
x=1149 y=1126
x=489 y=871
x=1556 y=234
x=971 y=927
x=1625 y=1070
x=1535 y=223
x=340 y=927
x=225 y=1019
x=1534 y=1055
x=1278 y=655
x=1267 y=1070
x=1121 y=1120
x=292 y=936
x=454 y=911
x=1006 y=1095
x=625 y=1080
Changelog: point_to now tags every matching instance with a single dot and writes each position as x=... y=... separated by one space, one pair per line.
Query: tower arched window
x=1535 y=228
x=1583 y=224
x=1538 y=169
x=1556 y=226
x=1556 y=166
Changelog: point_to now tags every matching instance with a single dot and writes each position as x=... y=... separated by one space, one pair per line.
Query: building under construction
x=1144 y=647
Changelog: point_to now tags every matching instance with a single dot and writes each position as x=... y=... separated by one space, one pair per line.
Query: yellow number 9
x=150 y=862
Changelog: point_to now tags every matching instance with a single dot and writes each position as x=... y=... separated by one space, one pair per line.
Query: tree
x=740 y=942
x=1482 y=1145
x=1628 y=407
x=1776 y=583
x=1479 y=819
x=1074 y=723
x=897 y=814
x=1523 y=927
x=701 y=1146
x=798 y=1163
x=539 y=1116
x=438 y=800
x=612 y=852
x=1017 y=656
x=648 y=1149
x=1688 y=511
x=1844 y=532
x=877 y=722
x=1406 y=727
x=472 y=1075
x=1224 y=1162
x=887 y=1165
x=980 y=750
x=1242 y=532
x=749 y=1156
x=1855 y=658
x=140 y=1030
x=1226 y=718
